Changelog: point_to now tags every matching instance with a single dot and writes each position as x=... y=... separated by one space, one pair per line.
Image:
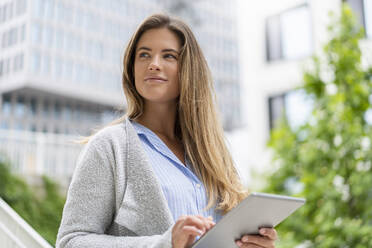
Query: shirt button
x=198 y=185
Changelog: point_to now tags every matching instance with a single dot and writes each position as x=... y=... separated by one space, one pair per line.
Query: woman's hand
x=188 y=227
x=265 y=240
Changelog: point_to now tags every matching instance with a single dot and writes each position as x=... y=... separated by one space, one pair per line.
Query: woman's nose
x=154 y=64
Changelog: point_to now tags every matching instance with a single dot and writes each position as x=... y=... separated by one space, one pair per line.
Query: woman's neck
x=160 y=119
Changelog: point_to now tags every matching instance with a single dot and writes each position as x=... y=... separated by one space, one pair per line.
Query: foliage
x=42 y=211
x=328 y=159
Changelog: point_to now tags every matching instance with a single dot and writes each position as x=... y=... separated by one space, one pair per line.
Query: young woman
x=161 y=175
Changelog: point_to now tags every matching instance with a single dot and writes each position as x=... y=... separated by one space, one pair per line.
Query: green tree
x=328 y=159
x=42 y=210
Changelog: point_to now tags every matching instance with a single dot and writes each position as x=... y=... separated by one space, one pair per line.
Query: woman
x=159 y=176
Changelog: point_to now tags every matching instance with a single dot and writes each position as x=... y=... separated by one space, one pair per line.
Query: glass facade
x=87 y=50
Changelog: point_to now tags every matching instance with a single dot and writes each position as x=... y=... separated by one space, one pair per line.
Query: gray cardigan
x=115 y=199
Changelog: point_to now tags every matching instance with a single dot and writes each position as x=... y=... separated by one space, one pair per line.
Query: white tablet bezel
x=257 y=210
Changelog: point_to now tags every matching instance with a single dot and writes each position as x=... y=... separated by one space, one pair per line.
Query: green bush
x=42 y=211
x=328 y=159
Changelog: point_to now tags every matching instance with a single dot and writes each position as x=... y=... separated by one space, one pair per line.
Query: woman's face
x=156 y=66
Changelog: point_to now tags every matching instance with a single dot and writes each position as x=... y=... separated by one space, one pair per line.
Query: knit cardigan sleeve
x=90 y=206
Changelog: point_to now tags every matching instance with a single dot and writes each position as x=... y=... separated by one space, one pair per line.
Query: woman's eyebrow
x=169 y=50
x=144 y=48
x=164 y=50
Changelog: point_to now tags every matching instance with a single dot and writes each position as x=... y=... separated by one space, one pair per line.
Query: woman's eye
x=170 y=56
x=143 y=55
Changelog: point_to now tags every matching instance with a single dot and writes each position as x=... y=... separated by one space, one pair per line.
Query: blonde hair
x=196 y=124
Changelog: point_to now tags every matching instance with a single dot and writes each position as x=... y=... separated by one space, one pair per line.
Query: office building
x=61 y=64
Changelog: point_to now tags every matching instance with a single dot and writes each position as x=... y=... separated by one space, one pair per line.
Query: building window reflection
x=293 y=105
x=36 y=33
x=35 y=62
x=59 y=39
x=33 y=106
x=20 y=108
x=6 y=105
x=48 y=35
x=38 y=8
x=21 y=7
x=22 y=33
x=45 y=65
x=288 y=35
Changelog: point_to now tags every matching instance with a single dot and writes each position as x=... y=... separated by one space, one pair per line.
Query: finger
x=257 y=240
x=269 y=232
x=195 y=221
x=192 y=230
x=180 y=221
x=208 y=222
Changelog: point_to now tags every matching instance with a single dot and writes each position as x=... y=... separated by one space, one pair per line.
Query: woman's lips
x=155 y=79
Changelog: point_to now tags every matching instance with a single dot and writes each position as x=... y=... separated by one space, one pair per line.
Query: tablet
x=255 y=211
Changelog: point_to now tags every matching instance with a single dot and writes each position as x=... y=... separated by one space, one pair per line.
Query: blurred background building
x=278 y=38
x=60 y=71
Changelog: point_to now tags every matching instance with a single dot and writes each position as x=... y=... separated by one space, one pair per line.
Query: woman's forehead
x=159 y=38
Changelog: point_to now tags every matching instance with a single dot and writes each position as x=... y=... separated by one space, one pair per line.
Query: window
x=4 y=40
x=33 y=127
x=57 y=110
x=13 y=36
x=59 y=39
x=6 y=105
x=35 y=62
x=70 y=39
x=10 y=9
x=33 y=106
x=294 y=105
x=48 y=36
x=4 y=10
x=49 y=9
x=97 y=50
x=79 y=73
x=45 y=65
x=288 y=35
x=6 y=66
x=18 y=62
x=58 y=68
x=22 y=33
x=79 y=18
x=363 y=11
x=20 y=7
x=75 y=44
x=36 y=33
x=68 y=69
x=60 y=9
x=4 y=124
x=45 y=110
x=20 y=108
x=67 y=113
x=38 y=8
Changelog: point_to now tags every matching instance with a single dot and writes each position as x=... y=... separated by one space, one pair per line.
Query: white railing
x=34 y=154
x=15 y=232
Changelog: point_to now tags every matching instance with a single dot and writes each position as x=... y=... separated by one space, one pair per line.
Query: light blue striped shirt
x=183 y=190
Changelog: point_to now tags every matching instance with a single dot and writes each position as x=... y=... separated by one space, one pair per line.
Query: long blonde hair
x=196 y=124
